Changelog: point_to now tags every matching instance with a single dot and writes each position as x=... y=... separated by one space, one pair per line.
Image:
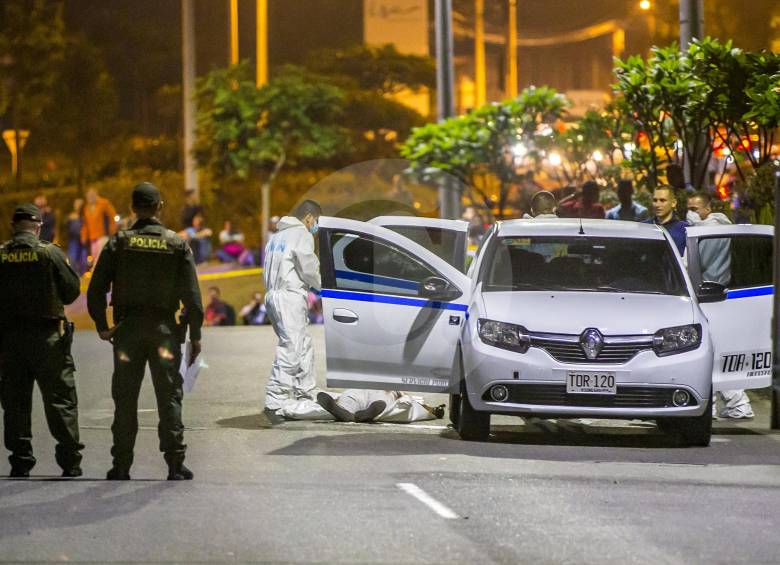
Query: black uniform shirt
x=184 y=274
x=27 y=298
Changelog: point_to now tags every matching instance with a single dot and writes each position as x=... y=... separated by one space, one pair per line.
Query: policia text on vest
x=150 y=272
x=36 y=282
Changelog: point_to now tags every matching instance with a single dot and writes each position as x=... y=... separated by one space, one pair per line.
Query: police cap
x=146 y=195
x=27 y=212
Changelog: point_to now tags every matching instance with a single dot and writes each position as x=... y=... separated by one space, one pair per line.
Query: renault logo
x=591 y=342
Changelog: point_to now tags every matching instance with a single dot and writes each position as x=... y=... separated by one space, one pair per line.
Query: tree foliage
x=478 y=147
x=86 y=110
x=32 y=45
x=244 y=130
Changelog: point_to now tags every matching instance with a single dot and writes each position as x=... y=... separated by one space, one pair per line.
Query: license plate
x=590 y=382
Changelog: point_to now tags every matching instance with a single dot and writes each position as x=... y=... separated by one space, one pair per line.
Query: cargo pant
x=30 y=353
x=139 y=341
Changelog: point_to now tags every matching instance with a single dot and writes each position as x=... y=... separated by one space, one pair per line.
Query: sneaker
x=72 y=472
x=179 y=473
x=374 y=409
x=117 y=474
x=328 y=403
x=19 y=473
x=438 y=412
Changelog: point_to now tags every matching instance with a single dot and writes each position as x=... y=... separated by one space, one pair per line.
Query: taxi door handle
x=345 y=316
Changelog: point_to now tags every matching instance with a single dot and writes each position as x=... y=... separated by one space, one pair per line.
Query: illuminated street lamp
x=645 y=5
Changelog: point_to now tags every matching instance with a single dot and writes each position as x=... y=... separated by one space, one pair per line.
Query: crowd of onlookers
x=220 y=313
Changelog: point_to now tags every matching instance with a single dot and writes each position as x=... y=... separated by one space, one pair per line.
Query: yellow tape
x=231 y=274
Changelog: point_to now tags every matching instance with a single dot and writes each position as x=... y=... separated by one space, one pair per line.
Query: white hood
x=611 y=313
x=288 y=222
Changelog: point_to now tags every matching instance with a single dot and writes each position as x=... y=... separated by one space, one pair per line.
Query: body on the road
x=150 y=271
x=290 y=269
x=36 y=281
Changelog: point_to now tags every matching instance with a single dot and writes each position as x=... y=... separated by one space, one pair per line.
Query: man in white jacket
x=290 y=269
x=715 y=256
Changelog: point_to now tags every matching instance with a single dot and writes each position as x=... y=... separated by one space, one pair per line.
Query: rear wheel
x=472 y=425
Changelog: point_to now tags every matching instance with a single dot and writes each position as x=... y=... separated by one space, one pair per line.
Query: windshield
x=596 y=264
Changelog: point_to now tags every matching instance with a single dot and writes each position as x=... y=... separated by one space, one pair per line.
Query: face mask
x=314 y=229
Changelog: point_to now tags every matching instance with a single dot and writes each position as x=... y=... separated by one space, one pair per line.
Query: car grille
x=571 y=352
x=556 y=395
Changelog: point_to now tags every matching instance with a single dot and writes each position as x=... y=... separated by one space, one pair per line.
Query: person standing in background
x=99 y=223
x=192 y=208
x=628 y=209
x=49 y=226
x=77 y=252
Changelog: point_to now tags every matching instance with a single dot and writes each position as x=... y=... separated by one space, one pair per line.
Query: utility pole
x=775 y=423
x=261 y=42
x=480 y=75
x=511 y=55
x=691 y=27
x=691 y=21
x=233 y=32
x=188 y=92
x=449 y=193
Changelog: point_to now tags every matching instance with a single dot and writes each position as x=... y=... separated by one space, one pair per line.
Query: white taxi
x=554 y=318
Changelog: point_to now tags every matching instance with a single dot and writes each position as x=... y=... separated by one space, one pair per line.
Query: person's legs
x=16 y=387
x=736 y=405
x=284 y=311
x=129 y=365
x=54 y=373
x=164 y=361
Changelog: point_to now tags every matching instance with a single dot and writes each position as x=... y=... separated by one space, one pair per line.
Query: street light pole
x=188 y=92
x=233 y=32
x=511 y=55
x=480 y=74
x=449 y=194
x=775 y=423
x=261 y=42
x=691 y=21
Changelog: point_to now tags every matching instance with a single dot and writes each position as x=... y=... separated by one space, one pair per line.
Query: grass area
x=236 y=289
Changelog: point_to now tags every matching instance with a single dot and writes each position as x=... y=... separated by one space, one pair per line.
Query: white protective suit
x=715 y=256
x=290 y=268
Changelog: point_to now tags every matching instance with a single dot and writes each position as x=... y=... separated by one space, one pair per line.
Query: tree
x=31 y=48
x=373 y=78
x=251 y=132
x=668 y=102
x=478 y=148
x=85 y=115
x=383 y=70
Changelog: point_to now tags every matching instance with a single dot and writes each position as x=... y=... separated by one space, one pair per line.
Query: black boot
x=118 y=474
x=179 y=472
x=19 y=473
x=374 y=409
x=72 y=472
x=328 y=403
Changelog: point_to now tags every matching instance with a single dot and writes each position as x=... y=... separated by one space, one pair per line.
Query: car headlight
x=503 y=335
x=678 y=339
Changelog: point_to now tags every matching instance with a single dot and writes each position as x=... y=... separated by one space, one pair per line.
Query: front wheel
x=472 y=425
x=454 y=409
x=695 y=431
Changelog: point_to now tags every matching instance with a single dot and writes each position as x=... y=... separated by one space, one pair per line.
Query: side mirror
x=710 y=291
x=437 y=288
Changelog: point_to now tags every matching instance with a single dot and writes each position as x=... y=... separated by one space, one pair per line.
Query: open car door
x=444 y=238
x=393 y=309
x=740 y=257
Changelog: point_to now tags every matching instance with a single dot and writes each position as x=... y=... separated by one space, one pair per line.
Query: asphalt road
x=372 y=493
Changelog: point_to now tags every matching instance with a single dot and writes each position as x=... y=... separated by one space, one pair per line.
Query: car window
x=441 y=242
x=738 y=261
x=370 y=265
x=582 y=264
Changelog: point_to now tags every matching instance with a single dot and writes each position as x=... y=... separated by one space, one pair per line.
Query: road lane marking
x=418 y=493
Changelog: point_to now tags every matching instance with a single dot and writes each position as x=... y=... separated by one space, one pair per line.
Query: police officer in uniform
x=36 y=280
x=150 y=271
